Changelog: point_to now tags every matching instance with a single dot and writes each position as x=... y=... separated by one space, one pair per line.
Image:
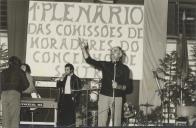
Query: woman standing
x=26 y=112
x=26 y=68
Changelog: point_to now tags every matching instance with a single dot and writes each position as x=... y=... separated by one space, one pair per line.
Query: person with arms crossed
x=13 y=83
x=68 y=97
x=115 y=76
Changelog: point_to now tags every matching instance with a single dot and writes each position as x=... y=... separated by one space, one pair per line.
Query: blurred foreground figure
x=13 y=83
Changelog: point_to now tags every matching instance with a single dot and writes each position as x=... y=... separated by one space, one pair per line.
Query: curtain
x=17 y=27
x=155 y=38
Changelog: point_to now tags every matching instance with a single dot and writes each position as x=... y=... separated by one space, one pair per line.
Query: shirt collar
x=117 y=62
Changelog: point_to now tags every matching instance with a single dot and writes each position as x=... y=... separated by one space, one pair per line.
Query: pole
x=181 y=86
x=86 y=107
x=184 y=70
x=113 y=104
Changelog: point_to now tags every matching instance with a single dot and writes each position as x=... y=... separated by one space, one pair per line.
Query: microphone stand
x=113 y=104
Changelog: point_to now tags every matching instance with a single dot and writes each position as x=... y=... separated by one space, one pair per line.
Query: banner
x=54 y=29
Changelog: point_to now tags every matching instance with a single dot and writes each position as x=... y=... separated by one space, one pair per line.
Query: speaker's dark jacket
x=75 y=83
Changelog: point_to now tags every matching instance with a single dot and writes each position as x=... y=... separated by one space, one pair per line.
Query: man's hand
x=82 y=43
x=84 y=47
x=114 y=84
x=60 y=78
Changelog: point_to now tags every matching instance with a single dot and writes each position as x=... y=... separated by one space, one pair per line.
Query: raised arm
x=84 y=47
x=85 y=51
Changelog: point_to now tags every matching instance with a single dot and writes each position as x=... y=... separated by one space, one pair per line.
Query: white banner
x=54 y=28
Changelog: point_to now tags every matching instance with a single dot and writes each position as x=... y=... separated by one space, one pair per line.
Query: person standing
x=31 y=89
x=69 y=97
x=13 y=82
x=115 y=77
x=25 y=113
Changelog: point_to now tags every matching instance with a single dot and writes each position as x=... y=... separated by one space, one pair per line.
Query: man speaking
x=115 y=81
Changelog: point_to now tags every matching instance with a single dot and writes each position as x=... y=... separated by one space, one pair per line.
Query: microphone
x=114 y=61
